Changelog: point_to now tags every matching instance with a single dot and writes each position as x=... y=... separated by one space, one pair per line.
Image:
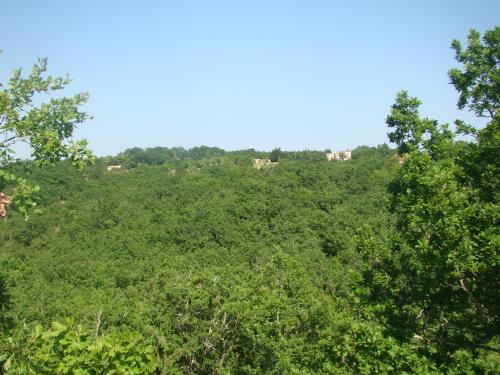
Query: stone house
x=347 y=154
x=114 y=167
x=259 y=163
x=341 y=155
x=4 y=202
x=332 y=156
x=399 y=158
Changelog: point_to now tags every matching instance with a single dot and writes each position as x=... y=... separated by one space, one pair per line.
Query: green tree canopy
x=437 y=280
x=479 y=82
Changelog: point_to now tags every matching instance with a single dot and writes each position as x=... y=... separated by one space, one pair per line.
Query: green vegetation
x=68 y=349
x=193 y=261
x=47 y=128
x=216 y=264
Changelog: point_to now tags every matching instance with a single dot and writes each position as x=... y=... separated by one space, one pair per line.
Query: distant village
x=330 y=156
x=260 y=163
x=5 y=200
x=341 y=155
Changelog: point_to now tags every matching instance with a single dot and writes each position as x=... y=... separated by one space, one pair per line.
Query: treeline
x=215 y=266
x=133 y=157
x=196 y=266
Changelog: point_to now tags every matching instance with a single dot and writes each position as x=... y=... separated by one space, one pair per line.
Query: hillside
x=196 y=261
x=204 y=257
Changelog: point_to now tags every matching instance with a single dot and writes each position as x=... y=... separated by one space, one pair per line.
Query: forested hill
x=195 y=261
x=202 y=256
x=114 y=241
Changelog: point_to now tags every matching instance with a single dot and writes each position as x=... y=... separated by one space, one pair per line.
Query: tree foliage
x=66 y=348
x=47 y=127
x=225 y=267
x=479 y=82
x=437 y=279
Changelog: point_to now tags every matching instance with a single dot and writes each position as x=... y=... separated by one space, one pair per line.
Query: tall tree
x=438 y=280
x=47 y=127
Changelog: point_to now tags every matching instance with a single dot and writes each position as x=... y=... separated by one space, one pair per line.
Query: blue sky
x=244 y=74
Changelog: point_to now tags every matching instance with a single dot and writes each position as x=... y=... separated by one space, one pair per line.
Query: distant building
x=259 y=163
x=347 y=154
x=399 y=158
x=4 y=202
x=341 y=155
x=114 y=167
x=332 y=156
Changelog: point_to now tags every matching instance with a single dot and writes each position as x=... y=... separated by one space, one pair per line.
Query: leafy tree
x=276 y=154
x=47 y=127
x=479 y=81
x=479 y=87
x=437 y=281
x=67 y=348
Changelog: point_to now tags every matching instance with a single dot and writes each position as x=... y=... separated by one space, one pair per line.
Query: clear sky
x=244 y=74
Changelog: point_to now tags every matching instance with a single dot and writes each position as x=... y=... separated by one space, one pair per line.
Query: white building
x=114 y=167
x=341 y=155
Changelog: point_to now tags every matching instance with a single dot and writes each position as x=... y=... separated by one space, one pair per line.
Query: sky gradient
x=244 y=74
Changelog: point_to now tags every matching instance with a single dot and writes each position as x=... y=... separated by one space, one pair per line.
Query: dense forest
x=193 y=261
x=210 y=257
